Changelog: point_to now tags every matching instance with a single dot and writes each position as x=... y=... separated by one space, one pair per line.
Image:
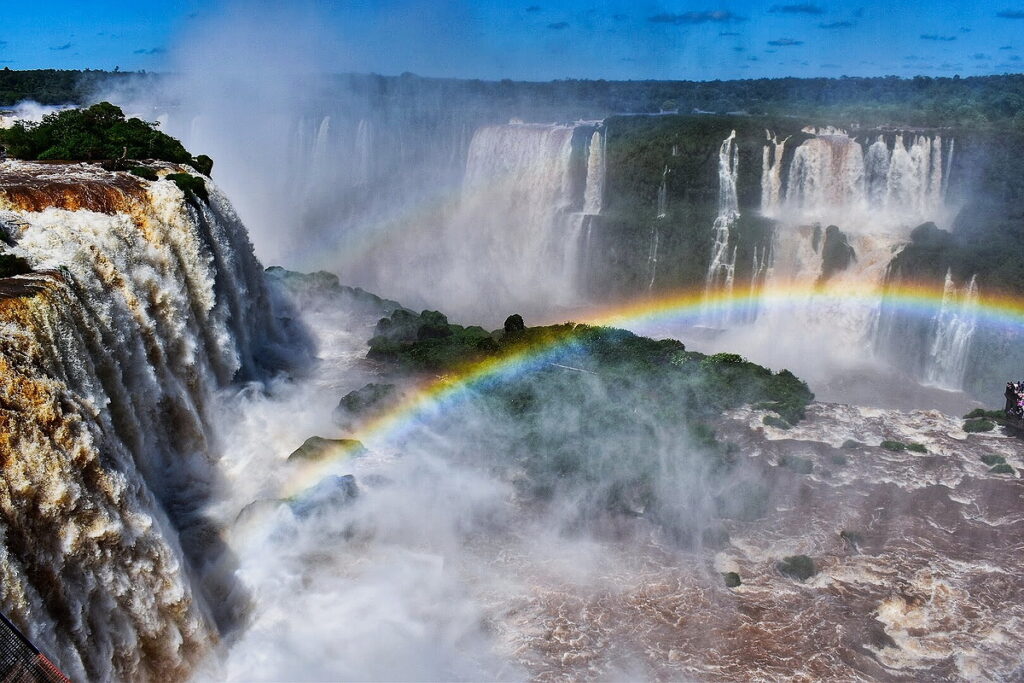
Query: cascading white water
x=519 y=229
x=652 y=257
x=663 y=195
x=827 y=174
x=142 y=310
x=593 y=196
x=833 y=178
x=952 y=333
x=771 y=173
x=722 y=270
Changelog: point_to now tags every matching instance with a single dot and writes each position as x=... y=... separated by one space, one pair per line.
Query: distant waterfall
x=771 y=173
x=522 y=220
x=827 y=172
x=594 y=193
x=722 y=270
x=953 y=331
x=663 y=195
x=833 y=178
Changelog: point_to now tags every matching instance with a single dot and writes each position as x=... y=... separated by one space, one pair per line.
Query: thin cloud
x=559 y=25
x=729 y=33
x=619 y=17
x=980 y=56
x=707 y=16
x=785 y=42
x=1014 y=58
x=65 y=46
x=932 y=36
x=797 y=9
x=533 y=8
x=150 y=51
x=3 y=43
x=1006 y=47
x=1011 y=14
x=837 y=24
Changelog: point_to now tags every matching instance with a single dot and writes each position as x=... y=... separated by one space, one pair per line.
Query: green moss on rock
x=732 y=580
x=991 y=459
x=979 y=425
x=315 y=449
x=776 y=422
x=192 y=186
x=1002 y=468
x=895 y=446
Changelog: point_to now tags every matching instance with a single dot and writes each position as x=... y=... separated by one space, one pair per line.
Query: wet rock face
x=836 y=253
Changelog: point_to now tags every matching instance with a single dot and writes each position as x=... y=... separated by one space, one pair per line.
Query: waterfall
x=827 y=174
x=833 y=178
x=722 y=270
x=520 y=225
x=141 y=306
x=363 y=149
x=952 y=333
x=593 y=194
x=771 y=174
x=663 y=195
x=652 y=257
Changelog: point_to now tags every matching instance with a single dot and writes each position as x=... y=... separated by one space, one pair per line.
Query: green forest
x=978 y=101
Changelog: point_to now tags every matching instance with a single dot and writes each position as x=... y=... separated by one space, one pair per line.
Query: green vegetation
x=799 y=567
x=897 y=446
x=1002 y=468
x=100 y=132
x=981 y=412
x=13 y=265
x=191 y=185
x=776 y=422
x=979 y=425
x=613 y=416
x=426 y=342
x=991 y=459
x=144 y=172
x=732 y=580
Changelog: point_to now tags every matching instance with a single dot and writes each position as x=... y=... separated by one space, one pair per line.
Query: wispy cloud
x=729 y=33
x=559 y=25
x=3 y=43
x=932 y=36
x=785 y=42
x=837 y=24
x=533 y=8
x=707 y=16
x=980 y=56
x=1011 y=14
x=150 y=51
x=798 y=9
x=1006 y=47
x=65 y=46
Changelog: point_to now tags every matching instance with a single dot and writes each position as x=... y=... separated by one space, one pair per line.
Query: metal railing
x=21 y=661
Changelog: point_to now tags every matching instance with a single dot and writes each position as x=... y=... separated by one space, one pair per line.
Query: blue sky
x=540 y=39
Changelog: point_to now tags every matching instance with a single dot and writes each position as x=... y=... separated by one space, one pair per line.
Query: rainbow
x=439 y=394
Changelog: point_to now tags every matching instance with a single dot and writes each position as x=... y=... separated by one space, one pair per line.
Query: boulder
x=316 y=448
